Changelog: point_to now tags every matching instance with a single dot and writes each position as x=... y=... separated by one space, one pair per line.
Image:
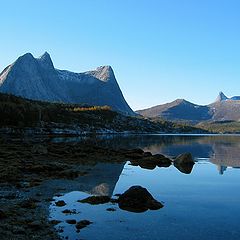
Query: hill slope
x=179 y=109
x=223 y=109
x=51 y=118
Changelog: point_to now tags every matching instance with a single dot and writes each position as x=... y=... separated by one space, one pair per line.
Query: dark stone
x=147 y=154
x=111 y=209
x=67 y=211
x=162 y=161
x=138 y=199
x=54 y=222
x=60 y=203
x=82 y=224
x=184 y=163
x=147 y=164
x=153 y=161
x=134 y=153
x=94 y=200
x=184 y=158
x=71 y=221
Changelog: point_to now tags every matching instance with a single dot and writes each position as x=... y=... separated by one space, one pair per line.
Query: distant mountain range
x=223 y=109
x=37 y=79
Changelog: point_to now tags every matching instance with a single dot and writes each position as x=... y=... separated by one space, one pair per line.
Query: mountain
x=37 y=79
x=223 y=109
x=179 y=109
x=222 y=97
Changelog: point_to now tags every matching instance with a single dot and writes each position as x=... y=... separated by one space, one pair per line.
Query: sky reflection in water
x=201 y=205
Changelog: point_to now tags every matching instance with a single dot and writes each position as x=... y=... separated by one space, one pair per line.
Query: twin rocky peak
x=37 y=79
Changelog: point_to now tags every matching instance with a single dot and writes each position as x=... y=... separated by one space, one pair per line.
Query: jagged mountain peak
x=46 y=54
x=103 y=73
x=221 y=97
x=105 y=68
x=25 y=58
x=36 y=78
x=45 y=60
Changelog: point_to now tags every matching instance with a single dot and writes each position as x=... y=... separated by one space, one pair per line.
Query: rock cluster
x=146 y=160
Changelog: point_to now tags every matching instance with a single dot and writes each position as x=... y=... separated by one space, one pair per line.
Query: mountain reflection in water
x=202 y=197
x=222 y=150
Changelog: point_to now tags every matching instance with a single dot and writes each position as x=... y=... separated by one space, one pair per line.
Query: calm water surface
x=204 y=204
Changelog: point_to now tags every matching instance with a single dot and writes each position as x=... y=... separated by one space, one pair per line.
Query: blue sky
x=160 y=50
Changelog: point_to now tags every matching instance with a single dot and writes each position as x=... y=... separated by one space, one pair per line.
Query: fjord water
x=201 y=205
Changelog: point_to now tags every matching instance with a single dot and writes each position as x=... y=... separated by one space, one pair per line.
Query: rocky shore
x=25 y=167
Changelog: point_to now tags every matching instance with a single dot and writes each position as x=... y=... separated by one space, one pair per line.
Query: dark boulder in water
x=94 y=200
x=82 y=224
x=184 y=163
x=152 y=161
x=138 y=199
x=71 y=221
x=60 y=203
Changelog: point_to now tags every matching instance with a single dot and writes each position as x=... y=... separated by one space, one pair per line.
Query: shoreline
x=42 y=132
x=27 y=167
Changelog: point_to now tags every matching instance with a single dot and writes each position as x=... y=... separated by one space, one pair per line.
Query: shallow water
x=200 y=205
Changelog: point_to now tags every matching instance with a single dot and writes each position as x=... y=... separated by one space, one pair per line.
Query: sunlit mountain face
x=37 y=79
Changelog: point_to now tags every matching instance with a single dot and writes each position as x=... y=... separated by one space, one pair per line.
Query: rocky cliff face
x=36 y=78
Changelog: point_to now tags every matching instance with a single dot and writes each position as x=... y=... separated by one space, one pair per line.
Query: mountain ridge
x=223 y=109
x=38 y=79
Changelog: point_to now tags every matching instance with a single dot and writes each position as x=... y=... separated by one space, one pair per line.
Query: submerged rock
x=60 y=203
x=138 y=199
x=184 y=163
x=68 y=211
x=71 y=221
x=82 y=224
x=111 y=209
x=94 y=200
x=54 y=222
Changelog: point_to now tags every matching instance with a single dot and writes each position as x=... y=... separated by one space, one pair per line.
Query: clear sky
x=160 y=50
